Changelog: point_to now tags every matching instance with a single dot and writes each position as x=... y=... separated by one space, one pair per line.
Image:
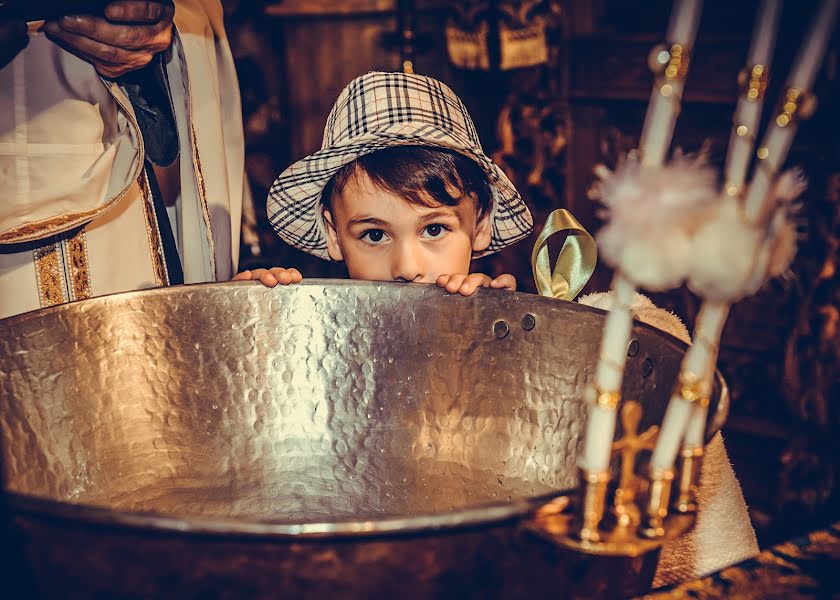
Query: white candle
x=695 y=431
x=698 y=362
x=748 y=112
x=600 y=422
x=778 y=139
x=656 y=137
x=660 y=119
x=708 y=331
x=764 y=34
x=685 y=16
x=811 y=54
x=665 y=98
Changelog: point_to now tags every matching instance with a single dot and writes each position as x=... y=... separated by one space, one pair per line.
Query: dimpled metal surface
x=324 y=412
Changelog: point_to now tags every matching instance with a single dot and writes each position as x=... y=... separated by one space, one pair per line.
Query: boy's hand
x=466 y=285
x=126 y=39
x=271 y=277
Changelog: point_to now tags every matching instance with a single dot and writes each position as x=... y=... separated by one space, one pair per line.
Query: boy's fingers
x=454 y=284
x=267 y=279
x=506 y=282
x=243 y=276
x=286 y=276
x=472 y=283
x=264 y=276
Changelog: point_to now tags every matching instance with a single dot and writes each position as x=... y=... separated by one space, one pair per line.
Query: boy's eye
x=373 y=236
x=435 y=230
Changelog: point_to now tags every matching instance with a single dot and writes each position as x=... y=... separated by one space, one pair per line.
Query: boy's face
x=382 y=237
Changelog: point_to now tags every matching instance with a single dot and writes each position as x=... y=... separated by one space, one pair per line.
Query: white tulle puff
x=652 y=214
x=732 y=258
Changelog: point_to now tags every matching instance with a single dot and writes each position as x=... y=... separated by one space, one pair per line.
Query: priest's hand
x=13 y=39
x=127 y=38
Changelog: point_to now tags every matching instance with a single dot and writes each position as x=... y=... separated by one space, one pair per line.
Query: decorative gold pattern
x=31 y=231
x=608 y=400
x=797 y=104
x=153 y=233
x=753 y=82
x=693 y=389
x=670 y=63
x=77 y=265
x=48 y=271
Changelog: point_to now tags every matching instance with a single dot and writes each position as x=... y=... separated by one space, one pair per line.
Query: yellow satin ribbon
x=575 y=263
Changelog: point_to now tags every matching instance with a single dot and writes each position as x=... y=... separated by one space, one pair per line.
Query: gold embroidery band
x=77 y=267
x=155 y=243
x=50 y=275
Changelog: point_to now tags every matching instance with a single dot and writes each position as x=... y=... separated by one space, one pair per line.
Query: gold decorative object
x=670 y=61
x=796 y=104
x=753 y=82
x=693 y=389
x=690 y=461
x=604 y=399
x=639 y=519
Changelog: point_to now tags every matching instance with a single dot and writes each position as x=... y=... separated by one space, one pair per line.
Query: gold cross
x=628 y=447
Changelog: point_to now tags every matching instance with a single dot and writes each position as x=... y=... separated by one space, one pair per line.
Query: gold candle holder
x=658 y=499
x=690 y=463
x=638 y=519
x=593 y=500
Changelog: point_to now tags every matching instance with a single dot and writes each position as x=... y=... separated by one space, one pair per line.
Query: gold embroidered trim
x=49 y=275
x=76 y=257
x=202 y=194
x=32 y=231
x=153 y=233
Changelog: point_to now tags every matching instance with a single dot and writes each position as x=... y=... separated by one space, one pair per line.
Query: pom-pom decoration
x=732 y=258
x=652 y=214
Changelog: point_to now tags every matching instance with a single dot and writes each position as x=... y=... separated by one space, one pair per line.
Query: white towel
x=723 y=534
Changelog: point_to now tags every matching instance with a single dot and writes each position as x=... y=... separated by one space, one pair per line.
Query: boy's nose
x=407 y=264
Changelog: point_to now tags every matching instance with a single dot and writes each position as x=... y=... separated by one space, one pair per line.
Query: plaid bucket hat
x=377 y=111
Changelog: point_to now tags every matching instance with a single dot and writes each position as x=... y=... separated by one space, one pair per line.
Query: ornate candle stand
x=625 y=511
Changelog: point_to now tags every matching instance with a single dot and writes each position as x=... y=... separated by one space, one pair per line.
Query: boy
x=400 y=190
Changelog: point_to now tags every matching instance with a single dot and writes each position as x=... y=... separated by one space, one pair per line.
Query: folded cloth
x=723 y=534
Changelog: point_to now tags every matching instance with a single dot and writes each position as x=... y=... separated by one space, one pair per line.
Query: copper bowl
x=362 y=439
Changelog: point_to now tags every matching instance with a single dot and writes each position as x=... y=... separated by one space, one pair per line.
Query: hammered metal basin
x=359 y=438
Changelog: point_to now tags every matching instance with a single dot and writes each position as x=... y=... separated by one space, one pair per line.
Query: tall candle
x=666 y=96
x=656 y=137
x=600 y=422
x=698 y=363
x=685 y=16
x=779 y=136
x=748 y=111
x=709 y=328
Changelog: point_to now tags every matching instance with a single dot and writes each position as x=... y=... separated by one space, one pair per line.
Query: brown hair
x=420 y=175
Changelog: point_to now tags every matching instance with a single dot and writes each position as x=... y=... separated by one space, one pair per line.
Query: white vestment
x=76 y=214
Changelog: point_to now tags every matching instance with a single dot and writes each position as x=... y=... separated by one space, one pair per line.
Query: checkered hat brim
x=378 y=111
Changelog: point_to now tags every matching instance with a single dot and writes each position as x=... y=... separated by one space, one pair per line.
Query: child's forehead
x=371 y=200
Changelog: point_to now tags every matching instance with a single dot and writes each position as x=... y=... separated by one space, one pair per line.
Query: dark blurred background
x=555 y=87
